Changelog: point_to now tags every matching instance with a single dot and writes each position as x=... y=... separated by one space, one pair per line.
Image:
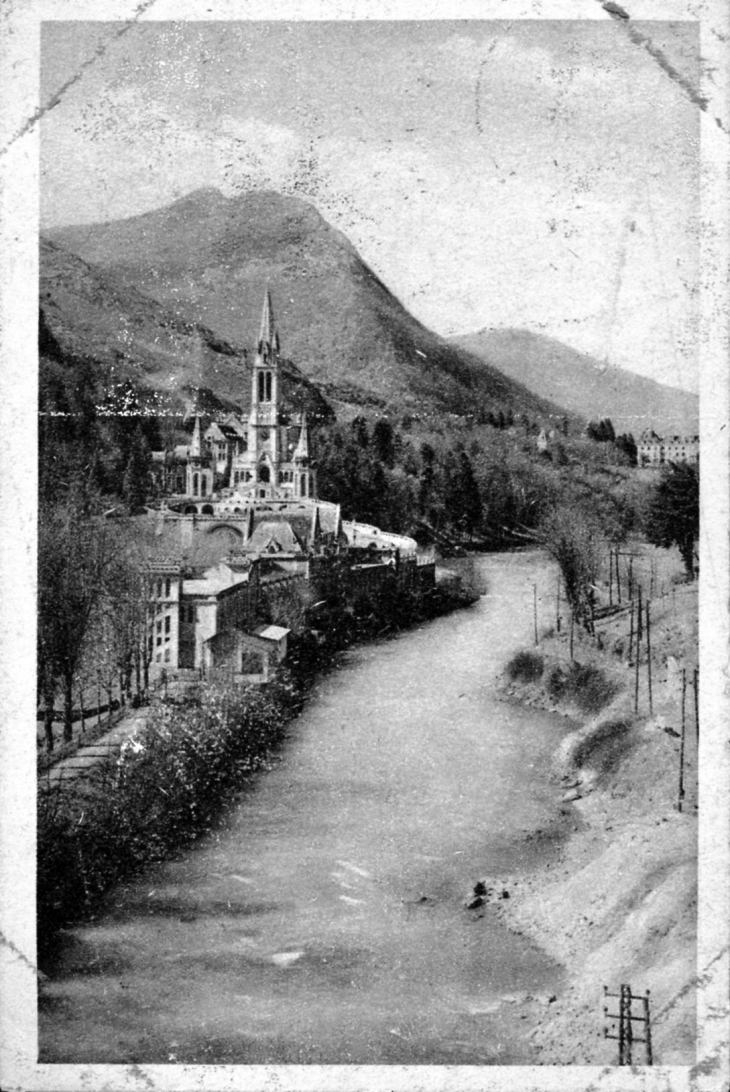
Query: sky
x=535 y=174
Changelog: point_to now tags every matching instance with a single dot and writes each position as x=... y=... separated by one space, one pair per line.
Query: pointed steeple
x=302 y=449
x=196 y=444
x=268 y=343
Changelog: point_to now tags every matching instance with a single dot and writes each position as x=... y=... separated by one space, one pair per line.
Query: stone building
x=249 y=461
x=652 y=450
x=240 y=515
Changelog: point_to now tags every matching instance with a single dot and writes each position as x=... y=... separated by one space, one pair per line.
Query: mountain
x=207 y=259
x=583 y=385
x=140 y=349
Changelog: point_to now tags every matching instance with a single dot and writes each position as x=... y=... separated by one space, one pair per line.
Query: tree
x=136 y=483
x=360 y=431
x=571 y=537
x=75 y=554
x=384 y=441
x=673 y=512
x=627 y=444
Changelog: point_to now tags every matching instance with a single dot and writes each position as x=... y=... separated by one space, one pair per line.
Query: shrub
x=584 y=684
x=604 y=746
x=167 y=786
x=590 y=688
x=525 y=666
x=556 y=683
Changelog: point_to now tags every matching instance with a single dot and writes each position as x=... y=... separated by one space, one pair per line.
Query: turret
x=301 y=452
x=196 y=444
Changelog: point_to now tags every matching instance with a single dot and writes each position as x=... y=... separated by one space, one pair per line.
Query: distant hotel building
x=652 y=450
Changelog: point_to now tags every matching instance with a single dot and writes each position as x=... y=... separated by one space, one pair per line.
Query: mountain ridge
x=582 y=384
x=208 y=258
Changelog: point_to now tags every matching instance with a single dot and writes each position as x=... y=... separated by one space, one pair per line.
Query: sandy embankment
x=618 y=905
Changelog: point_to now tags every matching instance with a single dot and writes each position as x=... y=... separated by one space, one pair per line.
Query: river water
x=324 y=921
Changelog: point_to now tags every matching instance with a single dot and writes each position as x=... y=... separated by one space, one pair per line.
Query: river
x=324 y=920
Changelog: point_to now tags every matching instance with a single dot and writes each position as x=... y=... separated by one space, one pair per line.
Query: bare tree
x=574 y=541
x=75 y=554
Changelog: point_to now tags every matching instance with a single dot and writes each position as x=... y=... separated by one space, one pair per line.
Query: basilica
x=235 y=463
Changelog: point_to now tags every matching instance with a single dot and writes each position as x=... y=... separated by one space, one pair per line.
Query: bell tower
x=263 y=430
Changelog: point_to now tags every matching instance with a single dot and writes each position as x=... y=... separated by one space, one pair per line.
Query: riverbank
x=618 y=904
x=321 y=919
x=179 y=760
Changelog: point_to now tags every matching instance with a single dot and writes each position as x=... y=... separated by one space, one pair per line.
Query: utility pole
x=648 y=655
x=572 y=630
x=638 y=654
x=534 y=610
x=681 y=742
x=557 y=606
x=626 y=1020
x=695 y=681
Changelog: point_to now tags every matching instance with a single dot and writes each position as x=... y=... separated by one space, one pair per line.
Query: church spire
x=196 y=444
x=268 y=344
x=302 y=448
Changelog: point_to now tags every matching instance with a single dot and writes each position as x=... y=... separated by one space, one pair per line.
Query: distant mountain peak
x=207 y=258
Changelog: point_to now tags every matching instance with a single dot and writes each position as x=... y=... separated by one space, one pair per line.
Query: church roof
x=238 y=427
x=275 y=536
x=214 y=580
x=218 y=431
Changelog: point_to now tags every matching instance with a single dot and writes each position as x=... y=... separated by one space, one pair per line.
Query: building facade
x=652 y=450
x=240 y=517
x=251 y=460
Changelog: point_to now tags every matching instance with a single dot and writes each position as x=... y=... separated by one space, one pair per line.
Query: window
x=159 y=626
x=167 y=589
x=167 y=624
x=167 y=655
x=158 y=642
x=264 y=474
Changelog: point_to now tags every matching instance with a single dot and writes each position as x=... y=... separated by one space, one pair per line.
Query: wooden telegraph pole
x=557 y=606
x=648 y=655
x=638 y=653
x=626 y=1020
x=695 y=681
x=610 y=576
x=572 y=631
x=681 y=742
x=534 y=609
